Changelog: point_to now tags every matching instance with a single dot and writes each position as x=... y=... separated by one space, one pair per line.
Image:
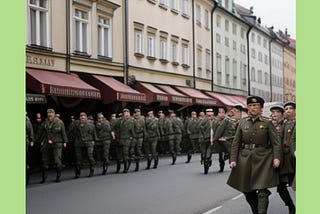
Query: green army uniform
x=254 y=148
x=55 y=133
x=85 y=138
x=166 y=135
x=71 y=158
x=136 y=147
x=115 y=124
x=29 y=138
x=102 y=146
x=178 y=130
x=151 y=141
x=205 y=145
x=192 y=130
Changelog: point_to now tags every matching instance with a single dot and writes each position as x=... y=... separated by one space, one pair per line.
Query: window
x=164 y=3
x=226 y=26
x=253 y=74
x=198 y=14
x=208 y=60
x=260 y=56
x=253 y=37
x=104 y=37
x=266 y=59
x=175 y=5
x=151 y=45
x=163 y=48
x=174 y=52
x=218 y=67
x=234 y=28
x=81 y=31
x=39 y=24
x=138 y=41
x=242 y=33
x=226 y=4
x=234 y=67
x=218 y=38
x=185 y=54
x=206 y=18
x=264 y=43
x=244 y=75
x=227 y=70
x=185 y=7
x=253 y=53
x=234 y=45
x=218 y=21
x=266 y=78
x=199 y=58
x=259 y=76
x=226 y=41
x=259 y=40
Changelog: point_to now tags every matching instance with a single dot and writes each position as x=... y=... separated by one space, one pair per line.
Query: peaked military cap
x=238 y=106
x=83 y=114
x=125 y=110
x=290 y=103
x=160 y=112
x=209 y=110
x=150 y=112
x=50 y=110
x=100 y=115
x=137 y=110
x=255 y=99
x=277 y=107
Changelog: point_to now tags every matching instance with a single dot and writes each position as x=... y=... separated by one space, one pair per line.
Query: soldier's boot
x=91 y=171
x=202 y=160
x=104 y=168
x=77 y=170
x=58 y=176
x=286 y=198
x=118 y=166
x=188 y=158
x=156 y=161
x=148 y=163
x=43 y=175
x=263 y=201
x=128 y=165
x=174 y=158
x=226 y=156
x=221 y=167
x=252 y=200
x=125 y=166
x=137 y=166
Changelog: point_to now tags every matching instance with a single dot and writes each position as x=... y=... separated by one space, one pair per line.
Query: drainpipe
x=270 y=68
x=68 y=36
x=126 y=63
x=194 y=47
x=215 y=6
x=248 y=55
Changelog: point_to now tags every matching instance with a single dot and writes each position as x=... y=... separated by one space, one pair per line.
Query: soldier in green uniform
x=166 y=134
x=205 y=138
x=178 y=130
x=85 y=138
x=29 y=140
x=140 y=132
x=126 y=136
x=71 y=158
x=102 y=146
x=53 y=137
x=286 y=132
x=255 y=155
x=223 y=132
x=151 y=140
x=192 y=129
x=115 y=123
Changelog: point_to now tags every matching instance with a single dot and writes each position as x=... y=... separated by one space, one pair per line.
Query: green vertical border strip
x=308 y=76
x=12 y=94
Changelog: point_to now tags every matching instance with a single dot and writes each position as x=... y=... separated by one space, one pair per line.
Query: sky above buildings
x=278 y=13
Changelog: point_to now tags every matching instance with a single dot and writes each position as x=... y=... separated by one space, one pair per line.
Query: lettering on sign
x=162 y=98
x=71 y=92
x=182 y=99
x=205 y=102
x=133 y=97
x=35 y=60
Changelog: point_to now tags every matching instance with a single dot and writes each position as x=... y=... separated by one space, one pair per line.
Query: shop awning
x=199 y=97
x=153 y=93
x=60 y=84
x=240 y=99
x=36 y=98
x=112 y=90
x=176 y=96
x=224 y=98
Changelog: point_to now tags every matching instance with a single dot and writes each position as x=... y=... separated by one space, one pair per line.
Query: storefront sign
x=36 y=60
x=176 y=99
x=205 y=102
x=36 y=98
x=72 y=92
x=162 y=98
x=131 y=97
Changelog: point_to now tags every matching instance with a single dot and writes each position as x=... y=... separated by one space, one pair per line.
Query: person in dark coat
x=255 y=156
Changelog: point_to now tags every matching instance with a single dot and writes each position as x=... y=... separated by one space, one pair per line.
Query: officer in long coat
x=255 y=155
x=53 y=137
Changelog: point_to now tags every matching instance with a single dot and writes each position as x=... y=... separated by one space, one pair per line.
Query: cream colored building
x=289 y=59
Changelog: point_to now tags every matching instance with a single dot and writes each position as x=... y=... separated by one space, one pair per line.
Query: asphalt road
x=178 y=189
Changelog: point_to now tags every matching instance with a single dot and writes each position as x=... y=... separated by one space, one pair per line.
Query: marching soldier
x=150 y=143
x=140 y=132
x=255 y=155
x=53 y=137
x=115 y=123
x=166 y=134
x=285 y=132
x=126 y=135
x=102 y=146
x=85 y=137
x=29 y=140
x=192 y=129
x=178 y=129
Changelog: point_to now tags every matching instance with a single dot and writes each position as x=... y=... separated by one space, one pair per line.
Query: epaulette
x=231 y=119
x=263 y=118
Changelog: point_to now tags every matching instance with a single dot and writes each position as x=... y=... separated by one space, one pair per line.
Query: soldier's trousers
x=258 y=200
x=85 y=151
x=150 y=148
x=205 y=147
x=191 y=146
x=135 y=149
x=102 y=150
x=51 y=153
x=174 y=144
x=124 y=149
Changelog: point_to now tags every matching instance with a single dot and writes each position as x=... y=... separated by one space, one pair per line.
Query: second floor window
x=163 y=48
x=39 y=23
x=81 y=31
x=198 y=14
x=175 y=5
x=185 y=54
x=138 y=41
x=151 y=45
x=208 y=60
x=104 y=37
x=185 y=7
x=174 y=52
x=206 y=18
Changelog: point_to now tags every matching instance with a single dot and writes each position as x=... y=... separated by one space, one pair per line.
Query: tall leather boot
x=252 y=199
x=156 y=161
x=189 y=158
x=286 y=198
x=59 y=169
x=128 y=165
x=125 y=166
x=77 y=171
x=137 y=166
x=174 y=158
x=148 y=163
x=44 y=176
x=91 y=171
x=263 y=200
x=118 y=166
x=221 y=167
x=104 y=168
